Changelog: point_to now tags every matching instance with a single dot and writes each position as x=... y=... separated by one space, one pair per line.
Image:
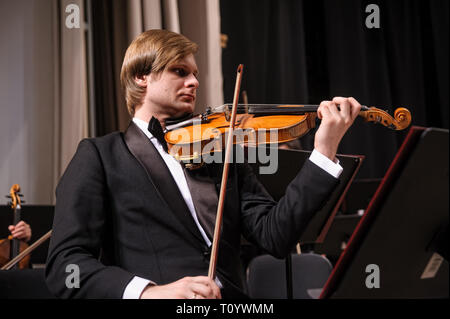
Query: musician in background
x=137 y=224
x=21 y=231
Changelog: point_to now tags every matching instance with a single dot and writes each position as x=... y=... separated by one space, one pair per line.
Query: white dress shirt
x=137 y=284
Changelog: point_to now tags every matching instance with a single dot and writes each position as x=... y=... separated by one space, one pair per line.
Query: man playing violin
x=129 y=216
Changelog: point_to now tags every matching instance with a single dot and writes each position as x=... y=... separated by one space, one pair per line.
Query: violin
x=11 y=247
x=190 y=140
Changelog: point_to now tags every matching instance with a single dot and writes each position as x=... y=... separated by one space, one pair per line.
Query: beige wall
x=43 y=82
x=26 y=99
x=42 y=101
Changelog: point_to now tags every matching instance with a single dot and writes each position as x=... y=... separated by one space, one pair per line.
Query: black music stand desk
x=290 y=163
x=404 y=231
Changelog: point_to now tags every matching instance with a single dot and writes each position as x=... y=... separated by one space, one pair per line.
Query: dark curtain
x=110 y=42
x=307 y=51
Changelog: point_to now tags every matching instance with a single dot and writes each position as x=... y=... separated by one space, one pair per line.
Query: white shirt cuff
x=135 y=287
x=332 y=168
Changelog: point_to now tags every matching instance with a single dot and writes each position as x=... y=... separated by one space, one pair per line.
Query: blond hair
x=151 y=51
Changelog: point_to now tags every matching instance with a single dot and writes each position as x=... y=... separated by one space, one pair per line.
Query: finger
x=334 y=110
x=356 y=107
x=344 y=106
x=202 y=279
x=194 y=293
x=211 y=284
x=323 y=109
x=21 y=223
x=193 y=286
x=17 y=236
x=202 y=291
x=216 y=291
x=18 y=233
x=11 y=228
x=338 y=99
x=19 y=227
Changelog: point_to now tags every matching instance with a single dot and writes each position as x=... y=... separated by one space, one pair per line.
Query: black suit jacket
x=119 y=214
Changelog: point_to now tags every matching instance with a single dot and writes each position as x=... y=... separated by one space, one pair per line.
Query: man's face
x=172 y=92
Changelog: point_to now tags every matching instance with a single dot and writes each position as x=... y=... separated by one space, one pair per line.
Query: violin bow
x=223 y=186
x=28 y=250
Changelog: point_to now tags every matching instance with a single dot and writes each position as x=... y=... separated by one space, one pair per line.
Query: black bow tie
x=155 y=128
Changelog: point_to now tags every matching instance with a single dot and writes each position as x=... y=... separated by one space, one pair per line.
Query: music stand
x=359 y=195
x=404 y=231
x=350 y=212
x=338 y=236
x=289 y=164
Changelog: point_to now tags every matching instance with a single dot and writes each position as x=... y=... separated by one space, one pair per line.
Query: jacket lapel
x=160 y=177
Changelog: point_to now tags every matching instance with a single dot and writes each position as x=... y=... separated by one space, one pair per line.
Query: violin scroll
x=11 y=247
x=403 y=116
x=400 y=121
x=15 y=196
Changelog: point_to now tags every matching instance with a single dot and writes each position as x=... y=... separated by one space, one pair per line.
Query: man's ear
x=141 y=80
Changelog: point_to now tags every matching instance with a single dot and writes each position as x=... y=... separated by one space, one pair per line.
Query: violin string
x=276 y=108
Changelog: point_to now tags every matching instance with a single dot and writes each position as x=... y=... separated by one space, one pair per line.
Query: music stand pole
x=288 y=262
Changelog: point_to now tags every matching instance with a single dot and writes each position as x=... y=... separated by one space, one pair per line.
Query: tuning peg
x=8 y=196
x=20 y=195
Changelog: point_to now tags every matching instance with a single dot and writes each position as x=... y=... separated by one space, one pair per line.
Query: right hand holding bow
x=200 y=287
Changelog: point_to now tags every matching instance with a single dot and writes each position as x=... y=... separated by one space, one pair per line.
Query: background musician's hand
x=335 y=123
x=21 y=231
x=200 y=287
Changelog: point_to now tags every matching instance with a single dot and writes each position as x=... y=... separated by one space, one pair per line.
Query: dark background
x=304 y=52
